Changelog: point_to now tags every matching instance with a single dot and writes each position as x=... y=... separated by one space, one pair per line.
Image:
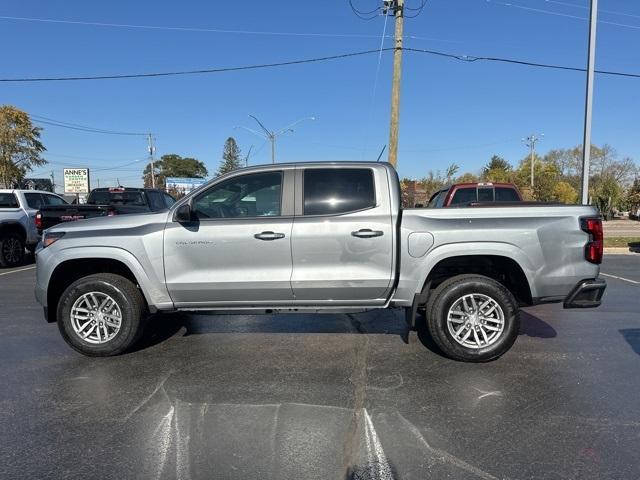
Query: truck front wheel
x=11 y=250
x=101 y=315
x=473 y=318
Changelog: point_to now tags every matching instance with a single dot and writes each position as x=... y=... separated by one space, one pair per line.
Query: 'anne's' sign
x=76 y=180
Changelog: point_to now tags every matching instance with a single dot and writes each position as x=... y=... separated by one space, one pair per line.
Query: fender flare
x=498 y=249
x=148 y=287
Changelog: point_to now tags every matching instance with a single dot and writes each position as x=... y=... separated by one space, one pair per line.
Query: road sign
x=184 y=185
x=76 y=180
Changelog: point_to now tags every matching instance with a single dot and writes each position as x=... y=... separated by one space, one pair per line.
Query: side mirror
x=182 y=214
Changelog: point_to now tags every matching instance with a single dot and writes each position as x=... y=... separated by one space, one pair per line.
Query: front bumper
x=586 y=294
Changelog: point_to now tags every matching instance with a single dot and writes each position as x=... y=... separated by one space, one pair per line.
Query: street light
x=530 y=142
x=272 y=135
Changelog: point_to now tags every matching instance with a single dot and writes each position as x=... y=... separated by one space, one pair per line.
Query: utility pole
x=151 y=151
x=272 y=135
x=588 y=107
x=398 y=10
x=53 y=182
x=531 y=143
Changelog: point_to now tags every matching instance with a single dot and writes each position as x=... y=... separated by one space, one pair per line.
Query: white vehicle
x=17 y=226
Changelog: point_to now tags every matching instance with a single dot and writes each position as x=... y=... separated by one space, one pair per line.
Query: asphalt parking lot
x=326 y=397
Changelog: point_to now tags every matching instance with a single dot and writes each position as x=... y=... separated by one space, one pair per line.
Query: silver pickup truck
x=319 y=237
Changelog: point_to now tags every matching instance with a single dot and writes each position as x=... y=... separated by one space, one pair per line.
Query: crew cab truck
x=108 y=202
x=17 y=226
x=465 y=194
x=319 y=237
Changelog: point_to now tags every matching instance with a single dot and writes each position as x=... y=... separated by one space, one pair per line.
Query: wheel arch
x=14 y=227
x=73 y=267
x=498 y=264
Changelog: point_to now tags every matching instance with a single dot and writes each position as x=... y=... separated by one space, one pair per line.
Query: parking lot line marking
x=620 y=278
x=16 y=271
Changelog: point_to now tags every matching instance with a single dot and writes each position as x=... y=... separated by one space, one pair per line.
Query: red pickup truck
x=465 y=194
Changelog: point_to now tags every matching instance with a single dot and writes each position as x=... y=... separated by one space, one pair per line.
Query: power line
x=471 y=58
x=83 y=128
x=364 y=15
x=584 y=7
x=186 y=29
x=455 y=56
x=559 y=14
x=191 y=72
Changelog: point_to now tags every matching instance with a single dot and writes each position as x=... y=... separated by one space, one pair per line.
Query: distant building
x=43 y=184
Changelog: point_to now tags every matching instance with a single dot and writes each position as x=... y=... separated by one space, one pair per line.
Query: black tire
x=11 y=250
x=129 y=300
x=453 y=289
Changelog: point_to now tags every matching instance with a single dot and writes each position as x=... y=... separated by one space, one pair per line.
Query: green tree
x=20 y=145
x=467 y=177
x=565 y=193
x=172 y=165
x=230 y=157
x=497 y=170
x=546 y=175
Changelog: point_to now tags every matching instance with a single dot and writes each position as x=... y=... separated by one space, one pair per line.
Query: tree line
x=613 y=181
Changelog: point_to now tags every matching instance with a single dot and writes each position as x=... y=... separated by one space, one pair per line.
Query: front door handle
x=367 y=233
x=268 y=235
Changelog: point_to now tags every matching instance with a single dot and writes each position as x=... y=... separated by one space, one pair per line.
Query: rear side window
x=464 y=196
x=330 y=191
x=34 y=200
x=8 y=200
x=506 y=195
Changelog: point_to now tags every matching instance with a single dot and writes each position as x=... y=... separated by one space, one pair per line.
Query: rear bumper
x=586 y=294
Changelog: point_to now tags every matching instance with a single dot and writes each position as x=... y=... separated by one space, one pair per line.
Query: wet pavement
x=324 y=397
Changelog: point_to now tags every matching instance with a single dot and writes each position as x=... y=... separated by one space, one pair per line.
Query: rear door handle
x=367 y=233
x=268 y=235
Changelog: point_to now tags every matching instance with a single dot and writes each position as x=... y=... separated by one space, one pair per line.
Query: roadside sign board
x=184 y=185
x=76 y=180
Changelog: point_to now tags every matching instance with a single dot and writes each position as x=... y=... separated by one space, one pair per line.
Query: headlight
x=49 y=238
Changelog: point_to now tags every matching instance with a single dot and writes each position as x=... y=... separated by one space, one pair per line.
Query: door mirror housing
x=183 y=213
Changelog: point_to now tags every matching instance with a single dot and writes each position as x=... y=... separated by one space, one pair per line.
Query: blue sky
x=451 y=112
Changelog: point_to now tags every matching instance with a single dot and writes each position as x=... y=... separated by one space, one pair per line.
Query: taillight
x=39 y=221
x=593 y=248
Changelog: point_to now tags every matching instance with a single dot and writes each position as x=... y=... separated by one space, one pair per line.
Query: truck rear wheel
x=473 y=318
x=101 y=315
x=11 y=250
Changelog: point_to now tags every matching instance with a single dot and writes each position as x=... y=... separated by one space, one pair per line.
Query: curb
x=620 y=251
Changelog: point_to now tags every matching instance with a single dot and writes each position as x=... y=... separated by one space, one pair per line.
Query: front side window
x=330 y=191
x=34 y=200
x=155 y=201
x=464 y=196
x=168 y=200
x=253 y=195
x=53 y=200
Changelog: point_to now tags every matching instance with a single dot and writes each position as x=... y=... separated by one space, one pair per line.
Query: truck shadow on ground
x=632 y=336
x=382 y=322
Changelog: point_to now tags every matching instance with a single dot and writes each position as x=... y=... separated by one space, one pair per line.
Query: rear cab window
x=332 y=191
x=506 y=194
x=131 y=198
x=464 y=195
x=8 y=200
x=485 y=194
